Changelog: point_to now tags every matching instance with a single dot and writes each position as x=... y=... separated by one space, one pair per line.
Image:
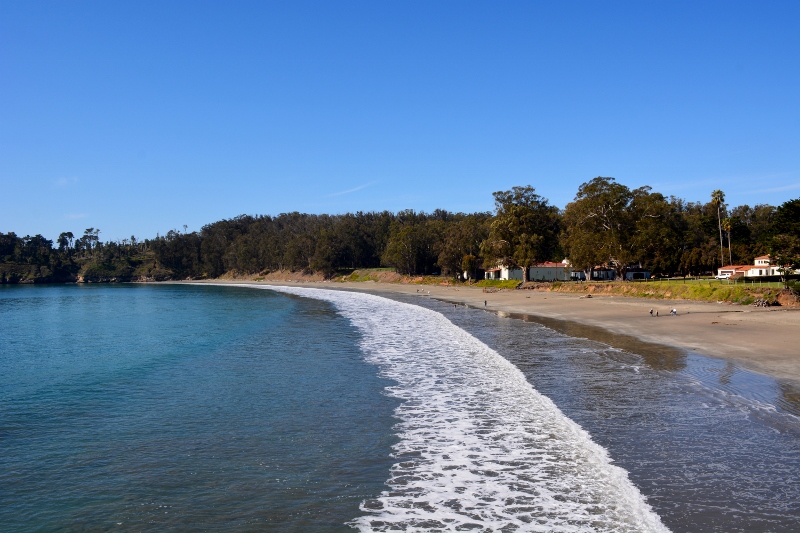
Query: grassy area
x=712 y=282
x=499 y=283
x=388 y=275
x=365 y=274
x=703 y=290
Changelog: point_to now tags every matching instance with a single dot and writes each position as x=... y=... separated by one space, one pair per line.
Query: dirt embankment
x=377 y=275
x=788 y=298
x=278 y=275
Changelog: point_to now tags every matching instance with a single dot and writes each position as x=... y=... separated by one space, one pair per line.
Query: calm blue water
x=142 y=408
x=201 y=408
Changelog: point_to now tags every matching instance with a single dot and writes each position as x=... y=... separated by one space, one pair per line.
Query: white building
x=550 y=271
x=503 y=272
x=763 y=267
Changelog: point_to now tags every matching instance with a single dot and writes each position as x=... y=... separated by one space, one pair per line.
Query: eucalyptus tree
x=460 y=243
x=411 y=248
x=718 y=200
x=524 y=230
x=65 y=242
x=596 y=225
x=787 y=218
x=785 y=246
x=610 y=224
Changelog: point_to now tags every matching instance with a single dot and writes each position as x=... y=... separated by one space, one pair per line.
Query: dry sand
x=766 y=341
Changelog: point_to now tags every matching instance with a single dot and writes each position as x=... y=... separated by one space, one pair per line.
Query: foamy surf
x=480 y=449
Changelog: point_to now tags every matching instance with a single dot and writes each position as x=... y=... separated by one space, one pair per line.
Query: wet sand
x=766 y=341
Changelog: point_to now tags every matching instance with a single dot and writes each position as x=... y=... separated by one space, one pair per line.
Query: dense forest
x=606 y=224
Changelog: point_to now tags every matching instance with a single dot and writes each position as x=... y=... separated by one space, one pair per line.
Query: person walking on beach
x=484 y=303
x=651 y=313
x=656 y=314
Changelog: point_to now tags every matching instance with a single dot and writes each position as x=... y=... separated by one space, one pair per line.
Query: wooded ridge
x=606 y=224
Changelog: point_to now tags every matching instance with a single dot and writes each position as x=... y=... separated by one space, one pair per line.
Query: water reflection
x=790 y=397
x=656 y=356
x=727 y=373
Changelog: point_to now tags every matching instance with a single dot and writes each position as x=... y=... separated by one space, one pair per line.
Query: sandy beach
x=764 y=340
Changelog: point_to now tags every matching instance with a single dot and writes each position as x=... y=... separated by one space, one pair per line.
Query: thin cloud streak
x=778 y=189
x=729 y=181
x=354 y=189
x=65 y=182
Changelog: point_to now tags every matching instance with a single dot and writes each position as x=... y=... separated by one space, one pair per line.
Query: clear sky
x=140 y=117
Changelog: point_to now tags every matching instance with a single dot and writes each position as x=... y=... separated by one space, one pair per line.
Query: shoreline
x=762 y=340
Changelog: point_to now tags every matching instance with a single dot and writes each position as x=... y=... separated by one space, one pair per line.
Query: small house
x=550 y=271
x=602 y=273
x=636 y=274
x=503 y=272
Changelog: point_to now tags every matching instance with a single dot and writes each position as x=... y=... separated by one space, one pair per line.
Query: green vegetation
x=35 y=260
x=703 y=289
x=369 y=274
x=499 y=283
x=524 y=230
x=607 y=225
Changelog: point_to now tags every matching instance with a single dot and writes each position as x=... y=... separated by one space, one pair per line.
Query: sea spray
x=479 y=447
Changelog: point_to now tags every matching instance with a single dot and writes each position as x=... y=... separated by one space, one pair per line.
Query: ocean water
x=153 y=408
x=170 y=408
x=712 y=447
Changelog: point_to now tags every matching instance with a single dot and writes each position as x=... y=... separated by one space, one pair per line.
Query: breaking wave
x=480 y=449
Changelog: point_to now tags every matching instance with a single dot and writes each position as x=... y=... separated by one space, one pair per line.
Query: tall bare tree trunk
x=721 y=248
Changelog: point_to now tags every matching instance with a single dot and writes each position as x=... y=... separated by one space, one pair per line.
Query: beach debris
x=762 y=303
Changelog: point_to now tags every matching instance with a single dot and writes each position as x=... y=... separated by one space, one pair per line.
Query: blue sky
x=140 y=117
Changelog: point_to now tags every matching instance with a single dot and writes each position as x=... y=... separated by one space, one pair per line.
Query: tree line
x=606 y=224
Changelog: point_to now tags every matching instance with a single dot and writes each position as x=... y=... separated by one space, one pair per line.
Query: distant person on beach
x=656 y=314
x=484 y=303
x=651 y=313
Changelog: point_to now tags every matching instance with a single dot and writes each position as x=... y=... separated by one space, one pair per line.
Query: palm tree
x=717 y=199
x=727 y=225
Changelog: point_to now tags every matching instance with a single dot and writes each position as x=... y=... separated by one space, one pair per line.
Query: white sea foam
x=480 y=449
